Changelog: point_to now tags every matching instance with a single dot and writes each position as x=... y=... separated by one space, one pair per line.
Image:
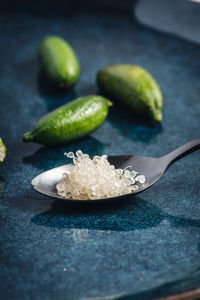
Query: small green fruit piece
x=70 y=121
x=2 y=151
x=133 y=86
x=59 y=61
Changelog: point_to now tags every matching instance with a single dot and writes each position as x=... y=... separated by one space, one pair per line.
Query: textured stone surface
x=144 y=247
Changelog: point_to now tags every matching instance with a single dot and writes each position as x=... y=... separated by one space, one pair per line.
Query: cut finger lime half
x=2 y=151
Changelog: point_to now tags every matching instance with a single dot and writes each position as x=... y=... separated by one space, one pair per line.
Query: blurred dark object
x=63 y=7
x=178 y=17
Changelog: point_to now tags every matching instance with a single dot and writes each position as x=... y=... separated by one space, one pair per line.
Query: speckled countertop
x=141 y=248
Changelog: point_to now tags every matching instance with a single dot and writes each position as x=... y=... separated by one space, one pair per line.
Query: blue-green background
x=141 y=248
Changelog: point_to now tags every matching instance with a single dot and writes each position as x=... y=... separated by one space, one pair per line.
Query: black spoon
x=152 y=168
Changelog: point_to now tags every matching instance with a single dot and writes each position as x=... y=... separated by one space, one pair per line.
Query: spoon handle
x=182 y=151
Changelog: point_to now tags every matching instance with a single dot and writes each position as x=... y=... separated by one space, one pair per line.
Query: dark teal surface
x=141 y=248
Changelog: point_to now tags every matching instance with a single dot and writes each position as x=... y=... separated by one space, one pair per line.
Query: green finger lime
x=2 y=151
x=70 y=121
x=133 y=86
x=59 y=61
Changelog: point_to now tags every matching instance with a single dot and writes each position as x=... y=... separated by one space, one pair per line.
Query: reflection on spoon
x=80 y=235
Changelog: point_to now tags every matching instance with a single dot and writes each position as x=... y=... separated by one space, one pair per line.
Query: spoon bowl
x=152 y=168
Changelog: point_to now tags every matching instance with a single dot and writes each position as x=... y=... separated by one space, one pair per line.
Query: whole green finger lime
x=59 y=61
x=70 y=121
x=133 y=86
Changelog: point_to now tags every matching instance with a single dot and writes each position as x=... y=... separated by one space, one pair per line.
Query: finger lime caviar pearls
x=96 y=179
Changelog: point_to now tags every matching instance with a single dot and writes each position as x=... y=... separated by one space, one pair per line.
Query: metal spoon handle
x=182 y=151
